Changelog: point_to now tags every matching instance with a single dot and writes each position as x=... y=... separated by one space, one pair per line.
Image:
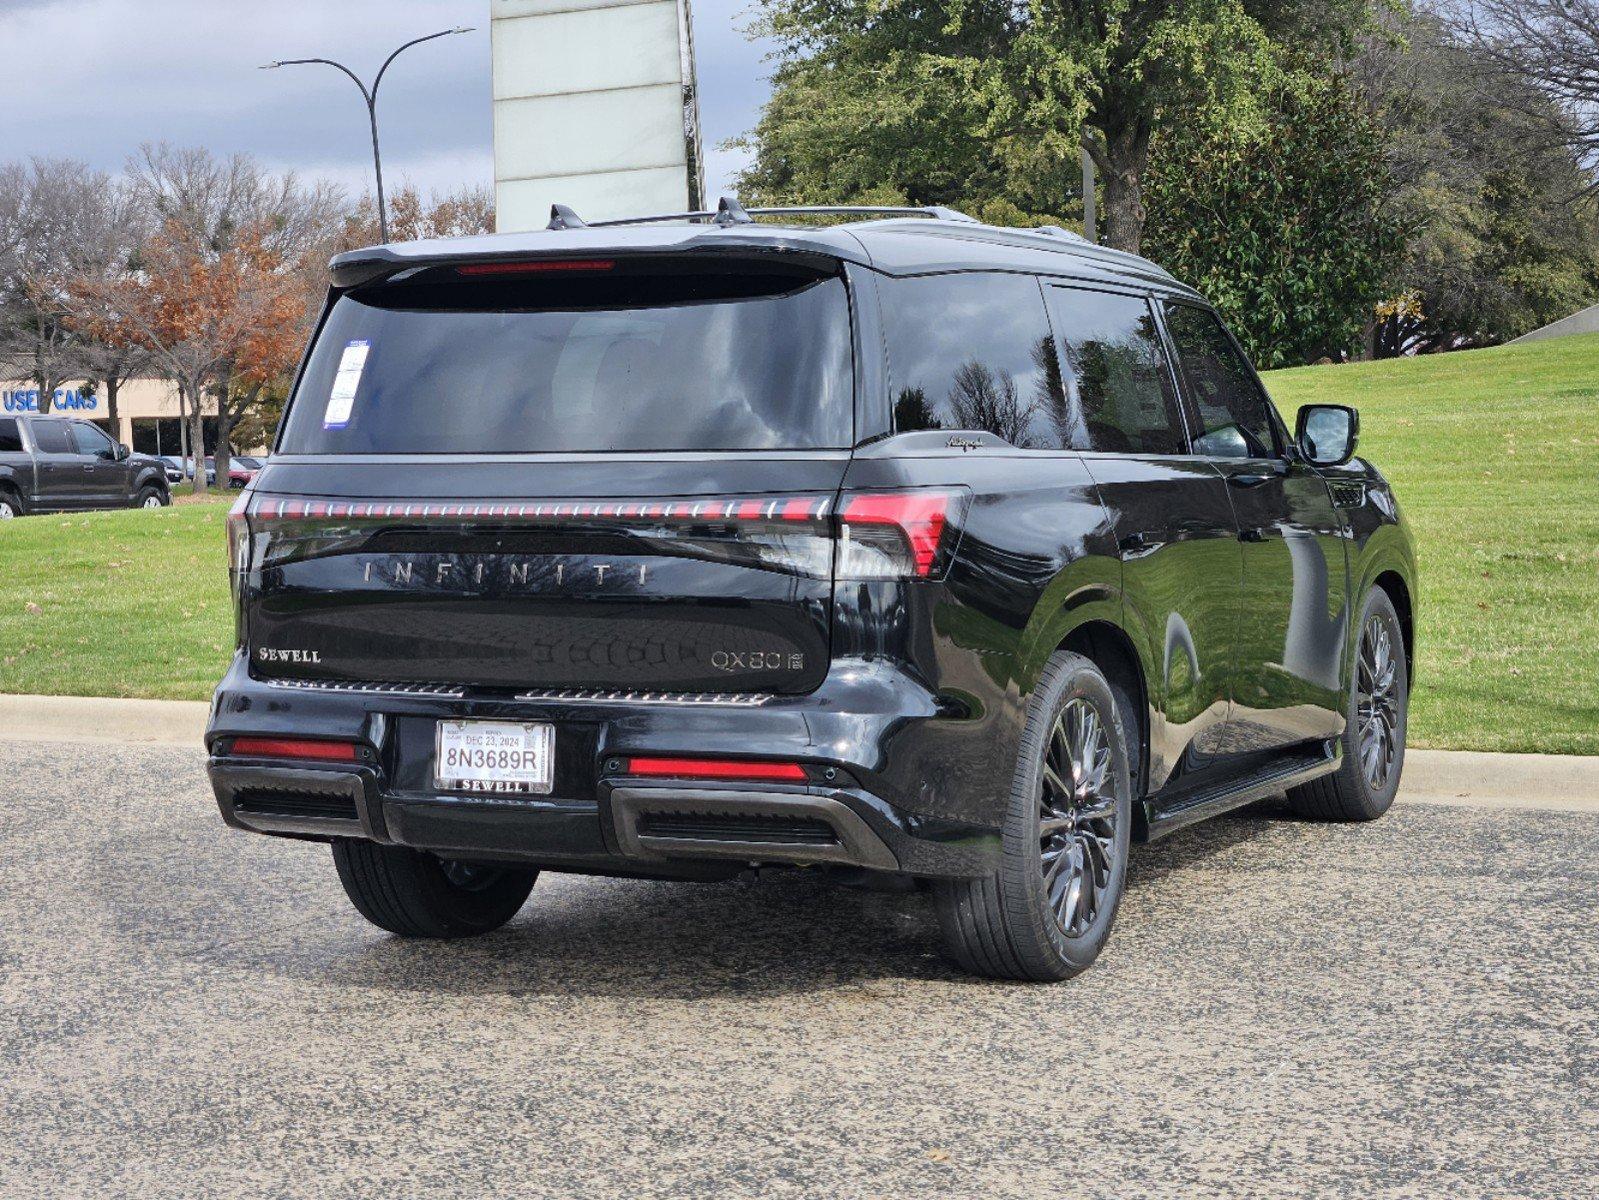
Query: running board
x=1212 y=801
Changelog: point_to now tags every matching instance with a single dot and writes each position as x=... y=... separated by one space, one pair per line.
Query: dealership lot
x=1404 y=1009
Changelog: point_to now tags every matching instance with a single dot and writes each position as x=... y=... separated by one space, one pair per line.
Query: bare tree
x=1555 y=45
x=64 y=221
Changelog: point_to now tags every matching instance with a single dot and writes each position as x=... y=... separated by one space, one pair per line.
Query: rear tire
x=416 y=894
x=1373 y=741
x=1047 y=911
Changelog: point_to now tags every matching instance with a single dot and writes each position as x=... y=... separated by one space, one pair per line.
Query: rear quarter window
x=972 y=350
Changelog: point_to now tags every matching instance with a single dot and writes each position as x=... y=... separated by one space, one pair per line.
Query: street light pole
x=370 y=95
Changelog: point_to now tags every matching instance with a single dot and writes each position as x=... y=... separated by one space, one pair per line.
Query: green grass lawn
x=1494 y=453
x=1495 y=458
x=129 y=603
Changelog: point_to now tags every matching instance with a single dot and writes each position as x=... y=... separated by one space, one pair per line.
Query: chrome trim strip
x=691 y=699
x=442 y=691
x=445 y=691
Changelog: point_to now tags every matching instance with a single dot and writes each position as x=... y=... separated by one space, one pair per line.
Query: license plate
x=495 y=757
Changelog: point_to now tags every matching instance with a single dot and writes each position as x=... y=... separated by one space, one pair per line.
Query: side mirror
x=123 y=452
x=1327 y=434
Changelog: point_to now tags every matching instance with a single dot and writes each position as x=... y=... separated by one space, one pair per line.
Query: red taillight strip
x=697 y=509
x=258 y=747
x=714 y=768
x=920 y=515
x=535 y=266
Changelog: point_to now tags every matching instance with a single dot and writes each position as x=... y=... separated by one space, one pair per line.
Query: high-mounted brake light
x=715 y=768
x=888 y=535
x=535 y=266
x=303 y=748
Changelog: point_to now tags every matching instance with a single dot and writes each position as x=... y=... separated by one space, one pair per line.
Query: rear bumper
x=598 y=819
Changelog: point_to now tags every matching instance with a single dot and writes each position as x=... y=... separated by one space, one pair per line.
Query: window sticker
x=341 y=398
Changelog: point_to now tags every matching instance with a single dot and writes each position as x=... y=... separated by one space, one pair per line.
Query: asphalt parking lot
x=1405 y=1009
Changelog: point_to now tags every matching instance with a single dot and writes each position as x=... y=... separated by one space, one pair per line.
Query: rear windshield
x=605 y=358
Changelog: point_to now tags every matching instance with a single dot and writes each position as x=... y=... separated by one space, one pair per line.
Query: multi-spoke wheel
x=1077 y=817
x=1048 y=907
x=1377 y=703
x=1363 y=787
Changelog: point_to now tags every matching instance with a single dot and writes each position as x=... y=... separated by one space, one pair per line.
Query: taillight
x=715 y=768
x=898 y=535
x=238 y=527
x=300 y=748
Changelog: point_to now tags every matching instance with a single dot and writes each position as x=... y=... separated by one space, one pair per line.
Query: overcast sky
x=91 y=79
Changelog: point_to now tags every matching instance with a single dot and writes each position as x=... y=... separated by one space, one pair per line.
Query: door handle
x=1250 y=479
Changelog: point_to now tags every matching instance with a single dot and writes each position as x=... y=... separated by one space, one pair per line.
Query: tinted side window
x=973 y=351
x=1233 y=411
x=50 y=437
x=10 y=436
x=91 y=441
x=1119 y=394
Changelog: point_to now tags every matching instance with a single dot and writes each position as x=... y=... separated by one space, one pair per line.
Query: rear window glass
x=572 y=361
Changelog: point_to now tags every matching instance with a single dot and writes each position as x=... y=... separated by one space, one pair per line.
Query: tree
x=1555 y=45
x=944 y=101
x=242 y=239
x=64 y=221
x=1499 y=212
x=1286 y=231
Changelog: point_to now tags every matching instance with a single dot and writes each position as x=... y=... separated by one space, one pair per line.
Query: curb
x=1466 y=778
x=95 y=719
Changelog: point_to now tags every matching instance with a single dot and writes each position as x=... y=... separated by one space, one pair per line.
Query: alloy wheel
x=6 y=510
x=152 y=502
x=1377 y=703
x=1077 y=817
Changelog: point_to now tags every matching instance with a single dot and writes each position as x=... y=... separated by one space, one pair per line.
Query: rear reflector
x=534 y=266
x=713 y=768
x=253 y=747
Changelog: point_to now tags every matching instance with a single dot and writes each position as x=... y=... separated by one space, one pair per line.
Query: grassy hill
x=1495 y=455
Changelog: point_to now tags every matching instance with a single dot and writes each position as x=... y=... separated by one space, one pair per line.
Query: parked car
x=52 y=464
x=242 y=468
x=909 y=547
x=175 y=469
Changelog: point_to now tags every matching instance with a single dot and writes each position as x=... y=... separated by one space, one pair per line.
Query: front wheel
x=1047 y=911
x=10 y=506
x=1363 y=787
x=416 y=894
x=150 y=498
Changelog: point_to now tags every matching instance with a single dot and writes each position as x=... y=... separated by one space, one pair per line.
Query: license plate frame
x=498 y=770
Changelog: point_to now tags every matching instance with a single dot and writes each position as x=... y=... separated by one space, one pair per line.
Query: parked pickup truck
x=51 y=464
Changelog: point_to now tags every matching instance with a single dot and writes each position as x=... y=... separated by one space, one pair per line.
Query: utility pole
x=1089 y=231
x=370 y=95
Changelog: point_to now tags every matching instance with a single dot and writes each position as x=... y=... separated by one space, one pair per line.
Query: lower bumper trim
x=750 y=826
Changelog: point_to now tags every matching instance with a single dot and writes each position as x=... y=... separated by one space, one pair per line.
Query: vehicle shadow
x=787 y=932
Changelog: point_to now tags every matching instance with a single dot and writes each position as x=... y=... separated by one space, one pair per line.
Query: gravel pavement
x=1405 y=1009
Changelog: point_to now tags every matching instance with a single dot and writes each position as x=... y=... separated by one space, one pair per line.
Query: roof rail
x=730 y=212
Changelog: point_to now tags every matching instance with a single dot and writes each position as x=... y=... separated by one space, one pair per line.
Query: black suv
x=904 y=546
x=52 y=464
